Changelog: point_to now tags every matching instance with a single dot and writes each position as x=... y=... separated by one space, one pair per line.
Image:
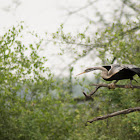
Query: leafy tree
x=36 y=105
x=116 y=42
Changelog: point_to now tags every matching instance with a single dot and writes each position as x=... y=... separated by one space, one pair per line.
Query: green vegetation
x=29 y=110
x=36 y=105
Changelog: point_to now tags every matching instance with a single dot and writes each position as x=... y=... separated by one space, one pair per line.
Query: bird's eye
x=87 y=70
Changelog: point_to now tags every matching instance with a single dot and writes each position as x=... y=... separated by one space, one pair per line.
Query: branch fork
x=88 y=96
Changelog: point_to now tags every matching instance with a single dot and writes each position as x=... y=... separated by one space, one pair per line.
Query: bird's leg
x=112 y=85
x=129 y=85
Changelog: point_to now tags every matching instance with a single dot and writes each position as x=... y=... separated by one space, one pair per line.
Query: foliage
x=117 y=43
x=36 y=105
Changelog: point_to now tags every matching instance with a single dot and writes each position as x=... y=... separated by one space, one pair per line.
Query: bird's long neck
x=104 y=73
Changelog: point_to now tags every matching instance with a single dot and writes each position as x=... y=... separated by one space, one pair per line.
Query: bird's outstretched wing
x=132 y=68
x=136 y=70
x=115 y=68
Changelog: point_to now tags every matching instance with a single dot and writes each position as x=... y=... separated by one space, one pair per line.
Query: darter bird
x=116 y=72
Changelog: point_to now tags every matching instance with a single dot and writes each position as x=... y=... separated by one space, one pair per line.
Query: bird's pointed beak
x=80 y=73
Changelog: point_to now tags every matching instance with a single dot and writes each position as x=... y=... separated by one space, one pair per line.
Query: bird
x=116 y=72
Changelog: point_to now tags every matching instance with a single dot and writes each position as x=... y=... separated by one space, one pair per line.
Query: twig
x=81 y=8
x=131 y=5
x=125 y=111
x=88 y=97
x=117 y=86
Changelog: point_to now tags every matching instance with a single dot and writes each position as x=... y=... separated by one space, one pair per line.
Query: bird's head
x=86 y=71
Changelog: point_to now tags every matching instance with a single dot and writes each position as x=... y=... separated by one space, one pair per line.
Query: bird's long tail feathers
x=137 y=71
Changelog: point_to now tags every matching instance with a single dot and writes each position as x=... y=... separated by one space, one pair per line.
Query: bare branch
x=82 y=8
x=125 y=111
x=118 y=86
x=132 y=6
x=88 y=96
x=121 y=12
x=91 y=93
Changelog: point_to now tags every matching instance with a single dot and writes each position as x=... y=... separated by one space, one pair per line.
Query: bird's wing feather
x=136 y=70
x=115 y=68
x=128 y=66
x=132 y=68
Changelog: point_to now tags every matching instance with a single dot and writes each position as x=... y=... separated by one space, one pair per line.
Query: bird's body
x=116 y=72
x=120 y=72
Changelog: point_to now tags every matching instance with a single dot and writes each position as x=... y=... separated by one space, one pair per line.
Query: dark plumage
x=120 y=72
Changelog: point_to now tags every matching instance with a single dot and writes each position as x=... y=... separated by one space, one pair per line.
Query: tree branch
x=88 y=96
x=125 y=111
x=81 y=8
x=117 y=86
x=132 y=6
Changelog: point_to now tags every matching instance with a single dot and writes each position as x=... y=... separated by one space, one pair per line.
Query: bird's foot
x=111 y=86
x=129 y=86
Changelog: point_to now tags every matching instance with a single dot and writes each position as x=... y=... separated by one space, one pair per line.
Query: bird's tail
x=137 y=71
